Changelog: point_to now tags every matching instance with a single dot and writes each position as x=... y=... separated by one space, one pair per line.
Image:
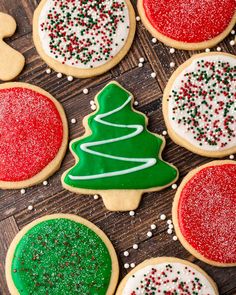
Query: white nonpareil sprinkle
x=172 y=50
x=135 y=246
x=131 y=213
x=137 y=18
x=73 y=121
x=153 y=226
x=169 y=231
x=85 y=91
x=172 y=64
x=154 y=40
x=149 y=234
x=48 y=71
x=141 y=59
x=231 y=157
x=233 y=32
x=207 y=50
x=95 y=197
x=169 y=221
x=30 y=207
x=140 y=65
x=126 y=265
x=45 y=182
x=174 y=186
x=136 y=103
x=132 y=265
x=170 y=226
x=163 y=217
x=175 y=238
x=126 y=253
x=218 y=48
x=92 y=102
x=70 y=78
x=59 y=75
x=164 y=132
x=93 y=107
x=232 y=42
x=153 y=75
x=22 y=191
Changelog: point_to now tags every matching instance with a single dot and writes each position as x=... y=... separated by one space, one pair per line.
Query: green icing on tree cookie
x=61 y=256
x=119 y=152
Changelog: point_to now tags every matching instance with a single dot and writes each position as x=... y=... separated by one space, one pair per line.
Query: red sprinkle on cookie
x=31 y=132
x=204 y=213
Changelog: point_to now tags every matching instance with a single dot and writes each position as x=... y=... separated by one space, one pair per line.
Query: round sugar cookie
x=167 y=275
x=188 y=25
x=199 y=104
x=61 y=254
x=204 y=213
x=33 y=135
x=83 y=38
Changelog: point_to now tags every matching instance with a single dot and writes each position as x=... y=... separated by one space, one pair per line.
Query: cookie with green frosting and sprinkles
x=83 y=38
x=199 y=104
x=167 y=275
x=61 y=254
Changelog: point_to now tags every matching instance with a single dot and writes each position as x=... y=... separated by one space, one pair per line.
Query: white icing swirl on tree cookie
x=202 y=103
x=168 y=278
x=83 y=34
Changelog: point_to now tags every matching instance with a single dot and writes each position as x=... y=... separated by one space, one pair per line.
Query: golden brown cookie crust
x=183 y=45
x=55 y=164
x=183 y=241
x=79 y=72
x=100 y=233
x=160 y=260
x=173 y=135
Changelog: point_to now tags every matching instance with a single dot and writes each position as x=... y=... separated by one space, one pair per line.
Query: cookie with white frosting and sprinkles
x=61 y=254
x=204 y=213
x=189 y=25
x=83 y=38
x=167 y=275
x=199 y=104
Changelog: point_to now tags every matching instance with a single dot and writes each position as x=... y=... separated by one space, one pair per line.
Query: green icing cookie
x=118 y=152
x=61 y=256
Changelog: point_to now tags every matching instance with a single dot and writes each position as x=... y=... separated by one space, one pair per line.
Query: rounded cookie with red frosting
x=33 y=135
x=188 y=25
x=204 y=213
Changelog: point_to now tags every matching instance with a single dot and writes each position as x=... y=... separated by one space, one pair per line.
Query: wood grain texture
x=122 y=229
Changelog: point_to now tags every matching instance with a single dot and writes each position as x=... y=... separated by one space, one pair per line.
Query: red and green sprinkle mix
x=164 y=282
x=204 y=104
x=83 y=32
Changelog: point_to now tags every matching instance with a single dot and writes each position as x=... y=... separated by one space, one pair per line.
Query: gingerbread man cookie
x=204 y=213
x=11 y=61
x=167 y=275
x=118 y=157
x=199 y=104
x=61 y=254
x=189 y=25
x=83 y=38
x=33 y=135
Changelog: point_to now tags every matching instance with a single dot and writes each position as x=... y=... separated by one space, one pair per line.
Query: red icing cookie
x=33 y=135
x=188 y=24
x=204 y=213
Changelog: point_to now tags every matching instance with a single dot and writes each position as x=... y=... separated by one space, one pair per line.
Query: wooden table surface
x=121 y=228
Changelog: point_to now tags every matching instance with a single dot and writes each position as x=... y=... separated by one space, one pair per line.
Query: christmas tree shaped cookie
x=118 y=157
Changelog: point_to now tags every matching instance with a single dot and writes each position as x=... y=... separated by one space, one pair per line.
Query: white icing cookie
x=167 y=275
x=199 y=104
x=85 y=39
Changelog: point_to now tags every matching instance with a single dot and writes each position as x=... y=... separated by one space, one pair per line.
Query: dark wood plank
x=8 y=230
